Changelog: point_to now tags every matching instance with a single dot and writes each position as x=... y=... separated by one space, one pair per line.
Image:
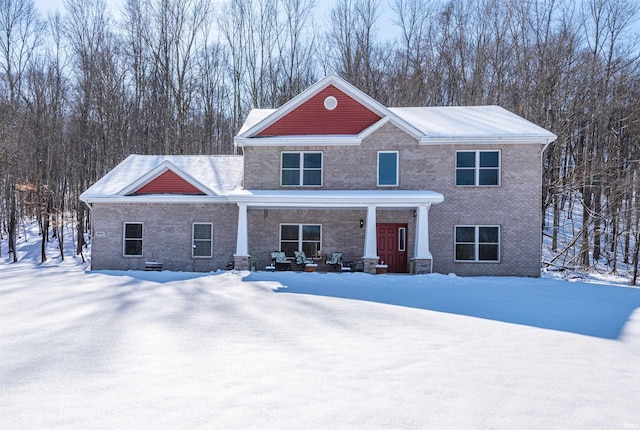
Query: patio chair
x=335 y=261
x=301 y=258
x=280 y=261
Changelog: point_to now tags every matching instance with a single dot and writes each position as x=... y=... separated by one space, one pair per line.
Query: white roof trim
x=328 y=139
x=331 y=79
x=314 y=140
x=393 y=119
x=493 y=140
x=156 y=198
x=157 y=171
x=335 y=199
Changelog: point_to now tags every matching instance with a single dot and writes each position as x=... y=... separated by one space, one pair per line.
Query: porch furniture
x=310 y=267
x=381 y=268
x=280 y=261
x=335 y=261
x=152 y=266
x=301 y=258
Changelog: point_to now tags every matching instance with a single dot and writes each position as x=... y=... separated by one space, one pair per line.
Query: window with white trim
x=132 y=239
x=477 y=168
x=300 y=237
x=402 y=239
x=387 y=168
x=477 y=243
x=202 y=240
x=301 y=169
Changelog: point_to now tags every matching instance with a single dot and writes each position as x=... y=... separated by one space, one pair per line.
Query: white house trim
x=492 y=140
x=326 y=199
x=156 y=198
x=318 y=140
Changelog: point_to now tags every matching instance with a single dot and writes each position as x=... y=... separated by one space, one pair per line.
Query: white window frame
x=477 y=168
x=302 y=168
x=300 y=229
x=402 y=244
x=125 y=239
x=477 y=244
x=194 y=240
x=397 y=182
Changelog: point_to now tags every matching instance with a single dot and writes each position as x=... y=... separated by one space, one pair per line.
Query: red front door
x=392 y=246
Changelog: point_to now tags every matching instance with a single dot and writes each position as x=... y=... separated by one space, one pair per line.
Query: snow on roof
x=451 y=122
x=469 y=122
x=254 y=117
x=219 y=173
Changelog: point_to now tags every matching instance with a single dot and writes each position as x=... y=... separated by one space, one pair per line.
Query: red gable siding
x=312 y=118
x=168 y=183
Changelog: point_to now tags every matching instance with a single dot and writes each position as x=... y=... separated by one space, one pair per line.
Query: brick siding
x=515 y=205
x=166 y=237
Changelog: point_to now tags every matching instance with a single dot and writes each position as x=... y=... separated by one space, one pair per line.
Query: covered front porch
x=349 y=222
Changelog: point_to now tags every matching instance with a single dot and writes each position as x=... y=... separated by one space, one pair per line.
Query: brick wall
x=166 y=237
x=515 y=205
x=341 y=230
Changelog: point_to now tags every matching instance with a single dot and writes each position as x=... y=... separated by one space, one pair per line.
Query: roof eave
x=316 y=140
x=488 y=140
x=155 y=198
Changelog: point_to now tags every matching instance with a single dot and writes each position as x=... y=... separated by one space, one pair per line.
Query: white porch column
x=422 y=233
x=370 y=245
x=242 y=240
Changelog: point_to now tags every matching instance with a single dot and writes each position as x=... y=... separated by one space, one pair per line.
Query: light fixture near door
x=361 y=223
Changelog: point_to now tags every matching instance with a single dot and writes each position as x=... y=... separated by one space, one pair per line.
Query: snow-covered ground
x=239 y=350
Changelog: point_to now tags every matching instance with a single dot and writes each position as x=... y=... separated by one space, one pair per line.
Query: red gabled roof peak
x=168 y=182
x=331 y=111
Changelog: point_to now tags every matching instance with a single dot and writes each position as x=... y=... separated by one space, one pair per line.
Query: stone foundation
x=421 y=266
x=241 y=262
x=370 y=265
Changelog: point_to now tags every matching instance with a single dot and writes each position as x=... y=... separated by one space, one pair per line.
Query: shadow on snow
x=581 y=308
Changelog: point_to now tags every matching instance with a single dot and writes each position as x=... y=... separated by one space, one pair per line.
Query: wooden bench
x=152 y=266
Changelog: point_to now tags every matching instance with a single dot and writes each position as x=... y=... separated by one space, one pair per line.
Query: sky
x=323 y=9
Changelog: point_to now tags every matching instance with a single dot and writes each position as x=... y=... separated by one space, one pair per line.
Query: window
x=132 y=246
x=202 y=240
x=474 y=168
x=402 y=239
x=301 y=169
x=300 y=237
x=388 y=168
x=477 y=243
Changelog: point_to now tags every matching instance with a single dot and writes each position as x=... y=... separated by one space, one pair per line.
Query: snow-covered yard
x=83 y=349
x=239 y=350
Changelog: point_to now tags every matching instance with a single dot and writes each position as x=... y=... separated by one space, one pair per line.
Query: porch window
x=301 y=169
x=477 y=168
x=388 y=168
x=300 y=237
x=132 y=239
x=202 y=240
x=477 y=243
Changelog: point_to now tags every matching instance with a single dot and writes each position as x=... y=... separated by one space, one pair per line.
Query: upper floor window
x=301 y=169
x=132 y=239
x=388 y=168
x=475 y=168
x=477 y=243
x=202 y=238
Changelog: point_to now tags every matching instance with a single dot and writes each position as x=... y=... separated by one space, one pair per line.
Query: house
x=420 y=189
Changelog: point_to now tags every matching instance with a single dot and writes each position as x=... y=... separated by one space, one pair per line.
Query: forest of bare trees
x=83 y=88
